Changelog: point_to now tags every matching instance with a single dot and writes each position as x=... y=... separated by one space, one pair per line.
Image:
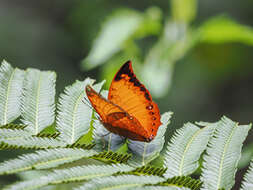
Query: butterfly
x=129 y=110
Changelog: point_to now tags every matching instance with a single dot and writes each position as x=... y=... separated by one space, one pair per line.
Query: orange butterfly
x=129 y=110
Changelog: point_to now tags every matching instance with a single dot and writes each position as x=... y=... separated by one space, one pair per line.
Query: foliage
x=248 y=178
x=89 y=157
x=175 y=35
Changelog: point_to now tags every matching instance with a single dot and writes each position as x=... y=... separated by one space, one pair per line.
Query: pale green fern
x=184 y=151
x=78 y=150
x=223 y=154
x=38 y=100
x=11 y=83
x=248 y=178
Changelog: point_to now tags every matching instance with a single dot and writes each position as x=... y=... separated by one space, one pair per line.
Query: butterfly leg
x=104 y=141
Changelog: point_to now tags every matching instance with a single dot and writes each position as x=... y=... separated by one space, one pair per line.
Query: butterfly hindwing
x=115 y=119
x=127 y=126
x=102 y=106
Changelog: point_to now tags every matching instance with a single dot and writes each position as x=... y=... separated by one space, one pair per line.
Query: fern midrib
x=7 y=97
x=37 y=105
x=109 y=141
x=223 y=157
x=121 y=186
x=34 y=187
x=19 y=170
x=186 y=150
x=74 y=119
x=13 y=138
x=57 y=160
x=144 y=153
x=41 y=163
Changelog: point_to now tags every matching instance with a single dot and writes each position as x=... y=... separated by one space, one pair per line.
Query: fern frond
x=48 y=135
x=23 y=185
x=120 y=182
x=12 y=126
x=185 y=148
x=38 y=108
x=112 y=157
x=80 y=173
x=222 y=155
x=183 y=181
x=78 y=145
x=33 y=142
x=43 y=159
x=12 y=133
x=248 y=178
x=11 y=83
x=143 y=152
x=74 y=174
x=153 y=187
x=74 y=117
x=148 y=170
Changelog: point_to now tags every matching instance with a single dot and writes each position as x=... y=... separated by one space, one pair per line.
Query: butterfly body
x=129 y=110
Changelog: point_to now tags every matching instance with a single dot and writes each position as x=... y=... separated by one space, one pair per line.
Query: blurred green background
x=194 y=56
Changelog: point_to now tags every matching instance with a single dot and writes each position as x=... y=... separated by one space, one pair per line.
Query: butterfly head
x=89 y=90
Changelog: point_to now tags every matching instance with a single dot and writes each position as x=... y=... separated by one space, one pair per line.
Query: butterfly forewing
x=127 y=92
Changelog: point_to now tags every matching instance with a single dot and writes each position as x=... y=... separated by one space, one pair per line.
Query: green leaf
x=183 y=10
x=158 y=66
x=223 y=154
x=151 y=23
x=43 y=159
x=143 y=152
x=115 y=31
x=248 y=178
x=73 y=174
x=38 y=107
x=222 y=29
x=120 y=182
x=74 y=116
x=247 y=155
x=11 y=83
x=183 y=153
